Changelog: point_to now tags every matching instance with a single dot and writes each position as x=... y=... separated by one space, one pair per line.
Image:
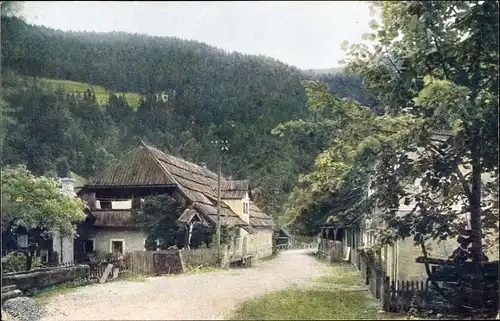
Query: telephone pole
x=221 y=146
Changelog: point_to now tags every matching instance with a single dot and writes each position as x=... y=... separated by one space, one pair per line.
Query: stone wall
x=43 y=278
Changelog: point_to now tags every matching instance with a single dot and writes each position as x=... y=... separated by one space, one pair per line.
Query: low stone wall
x=47 y=277
x=195 y=258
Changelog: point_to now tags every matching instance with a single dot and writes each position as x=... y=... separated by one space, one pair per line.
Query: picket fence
x=395 y=295
x=285 y=247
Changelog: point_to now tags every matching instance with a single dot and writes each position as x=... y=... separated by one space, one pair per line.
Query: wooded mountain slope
x=205 y=94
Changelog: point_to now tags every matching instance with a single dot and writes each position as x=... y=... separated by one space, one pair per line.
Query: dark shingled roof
x=236 y=189
x=137 y=167
x=188 y=215
x=259 y=219
x=147 y=166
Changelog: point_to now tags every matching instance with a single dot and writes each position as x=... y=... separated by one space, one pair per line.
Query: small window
x=245 y=208
x=88 y=246
x=117 y=247
x=105 y=205
x=44 y=256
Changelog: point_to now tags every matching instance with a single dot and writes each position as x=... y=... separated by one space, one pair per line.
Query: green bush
x=16 y=262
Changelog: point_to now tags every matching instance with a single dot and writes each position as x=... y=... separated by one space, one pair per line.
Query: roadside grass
x=71 y=286
x=63 y=288
x=101 y=93
x=203 y=269
x=134 y=277
x=338 y=295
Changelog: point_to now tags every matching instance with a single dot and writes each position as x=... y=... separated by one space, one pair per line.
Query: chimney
x=67 y=186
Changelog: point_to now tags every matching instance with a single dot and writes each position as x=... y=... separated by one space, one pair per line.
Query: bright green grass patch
x=101 y=93
x=308 y=305
x=338 y=295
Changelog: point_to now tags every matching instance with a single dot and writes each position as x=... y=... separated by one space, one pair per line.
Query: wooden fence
x=199 y=257
x=400 y=294
x=395 y=295
x=284 y=247
x=169 y=261
x=97 y=270
x=139 y=262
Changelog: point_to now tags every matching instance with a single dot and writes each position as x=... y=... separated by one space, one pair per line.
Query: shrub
x=16 y=262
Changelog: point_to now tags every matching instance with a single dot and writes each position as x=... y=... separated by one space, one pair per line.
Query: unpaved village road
x=204 y=296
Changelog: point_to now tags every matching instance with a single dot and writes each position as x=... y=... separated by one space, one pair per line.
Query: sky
x=306 y=34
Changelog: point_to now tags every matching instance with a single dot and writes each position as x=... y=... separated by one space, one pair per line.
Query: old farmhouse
x=114 y=194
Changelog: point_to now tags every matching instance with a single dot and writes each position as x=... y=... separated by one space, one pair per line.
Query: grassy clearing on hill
x=101 y=93
x=339 y=295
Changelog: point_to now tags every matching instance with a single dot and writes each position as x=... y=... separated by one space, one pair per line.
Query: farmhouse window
x=44 y=256
x=117 y=246
x=88 y=246
x=105 y=205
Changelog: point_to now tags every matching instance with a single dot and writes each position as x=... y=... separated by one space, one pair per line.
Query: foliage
x=51 y=132
x=434 y=149
x=31 y=202
x=209 y=94
x=11 y=9
x=158 y=217
x=350 y=137
x=439 y=62
x=17 y=262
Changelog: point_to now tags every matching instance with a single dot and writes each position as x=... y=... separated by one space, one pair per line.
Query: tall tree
x=11 y=9
x=158 y=217
x=349 y=136
x=439 y=62
x=35 y=203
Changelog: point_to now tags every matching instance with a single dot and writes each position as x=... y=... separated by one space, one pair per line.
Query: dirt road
x=207 y=296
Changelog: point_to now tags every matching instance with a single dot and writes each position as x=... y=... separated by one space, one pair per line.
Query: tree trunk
x=29 y=260
x=475 y=209
x=475 y=147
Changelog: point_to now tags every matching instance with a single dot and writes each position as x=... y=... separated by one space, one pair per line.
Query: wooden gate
x=167 y=262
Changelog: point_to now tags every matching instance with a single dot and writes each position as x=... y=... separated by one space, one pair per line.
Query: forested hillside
x=193 y=93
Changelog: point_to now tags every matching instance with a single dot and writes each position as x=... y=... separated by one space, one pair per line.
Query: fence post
x=385 y=294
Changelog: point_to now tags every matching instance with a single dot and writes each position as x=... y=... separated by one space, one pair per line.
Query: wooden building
x=116 y=193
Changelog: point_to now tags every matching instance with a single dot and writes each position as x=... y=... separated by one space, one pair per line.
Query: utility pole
x=221 y=146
